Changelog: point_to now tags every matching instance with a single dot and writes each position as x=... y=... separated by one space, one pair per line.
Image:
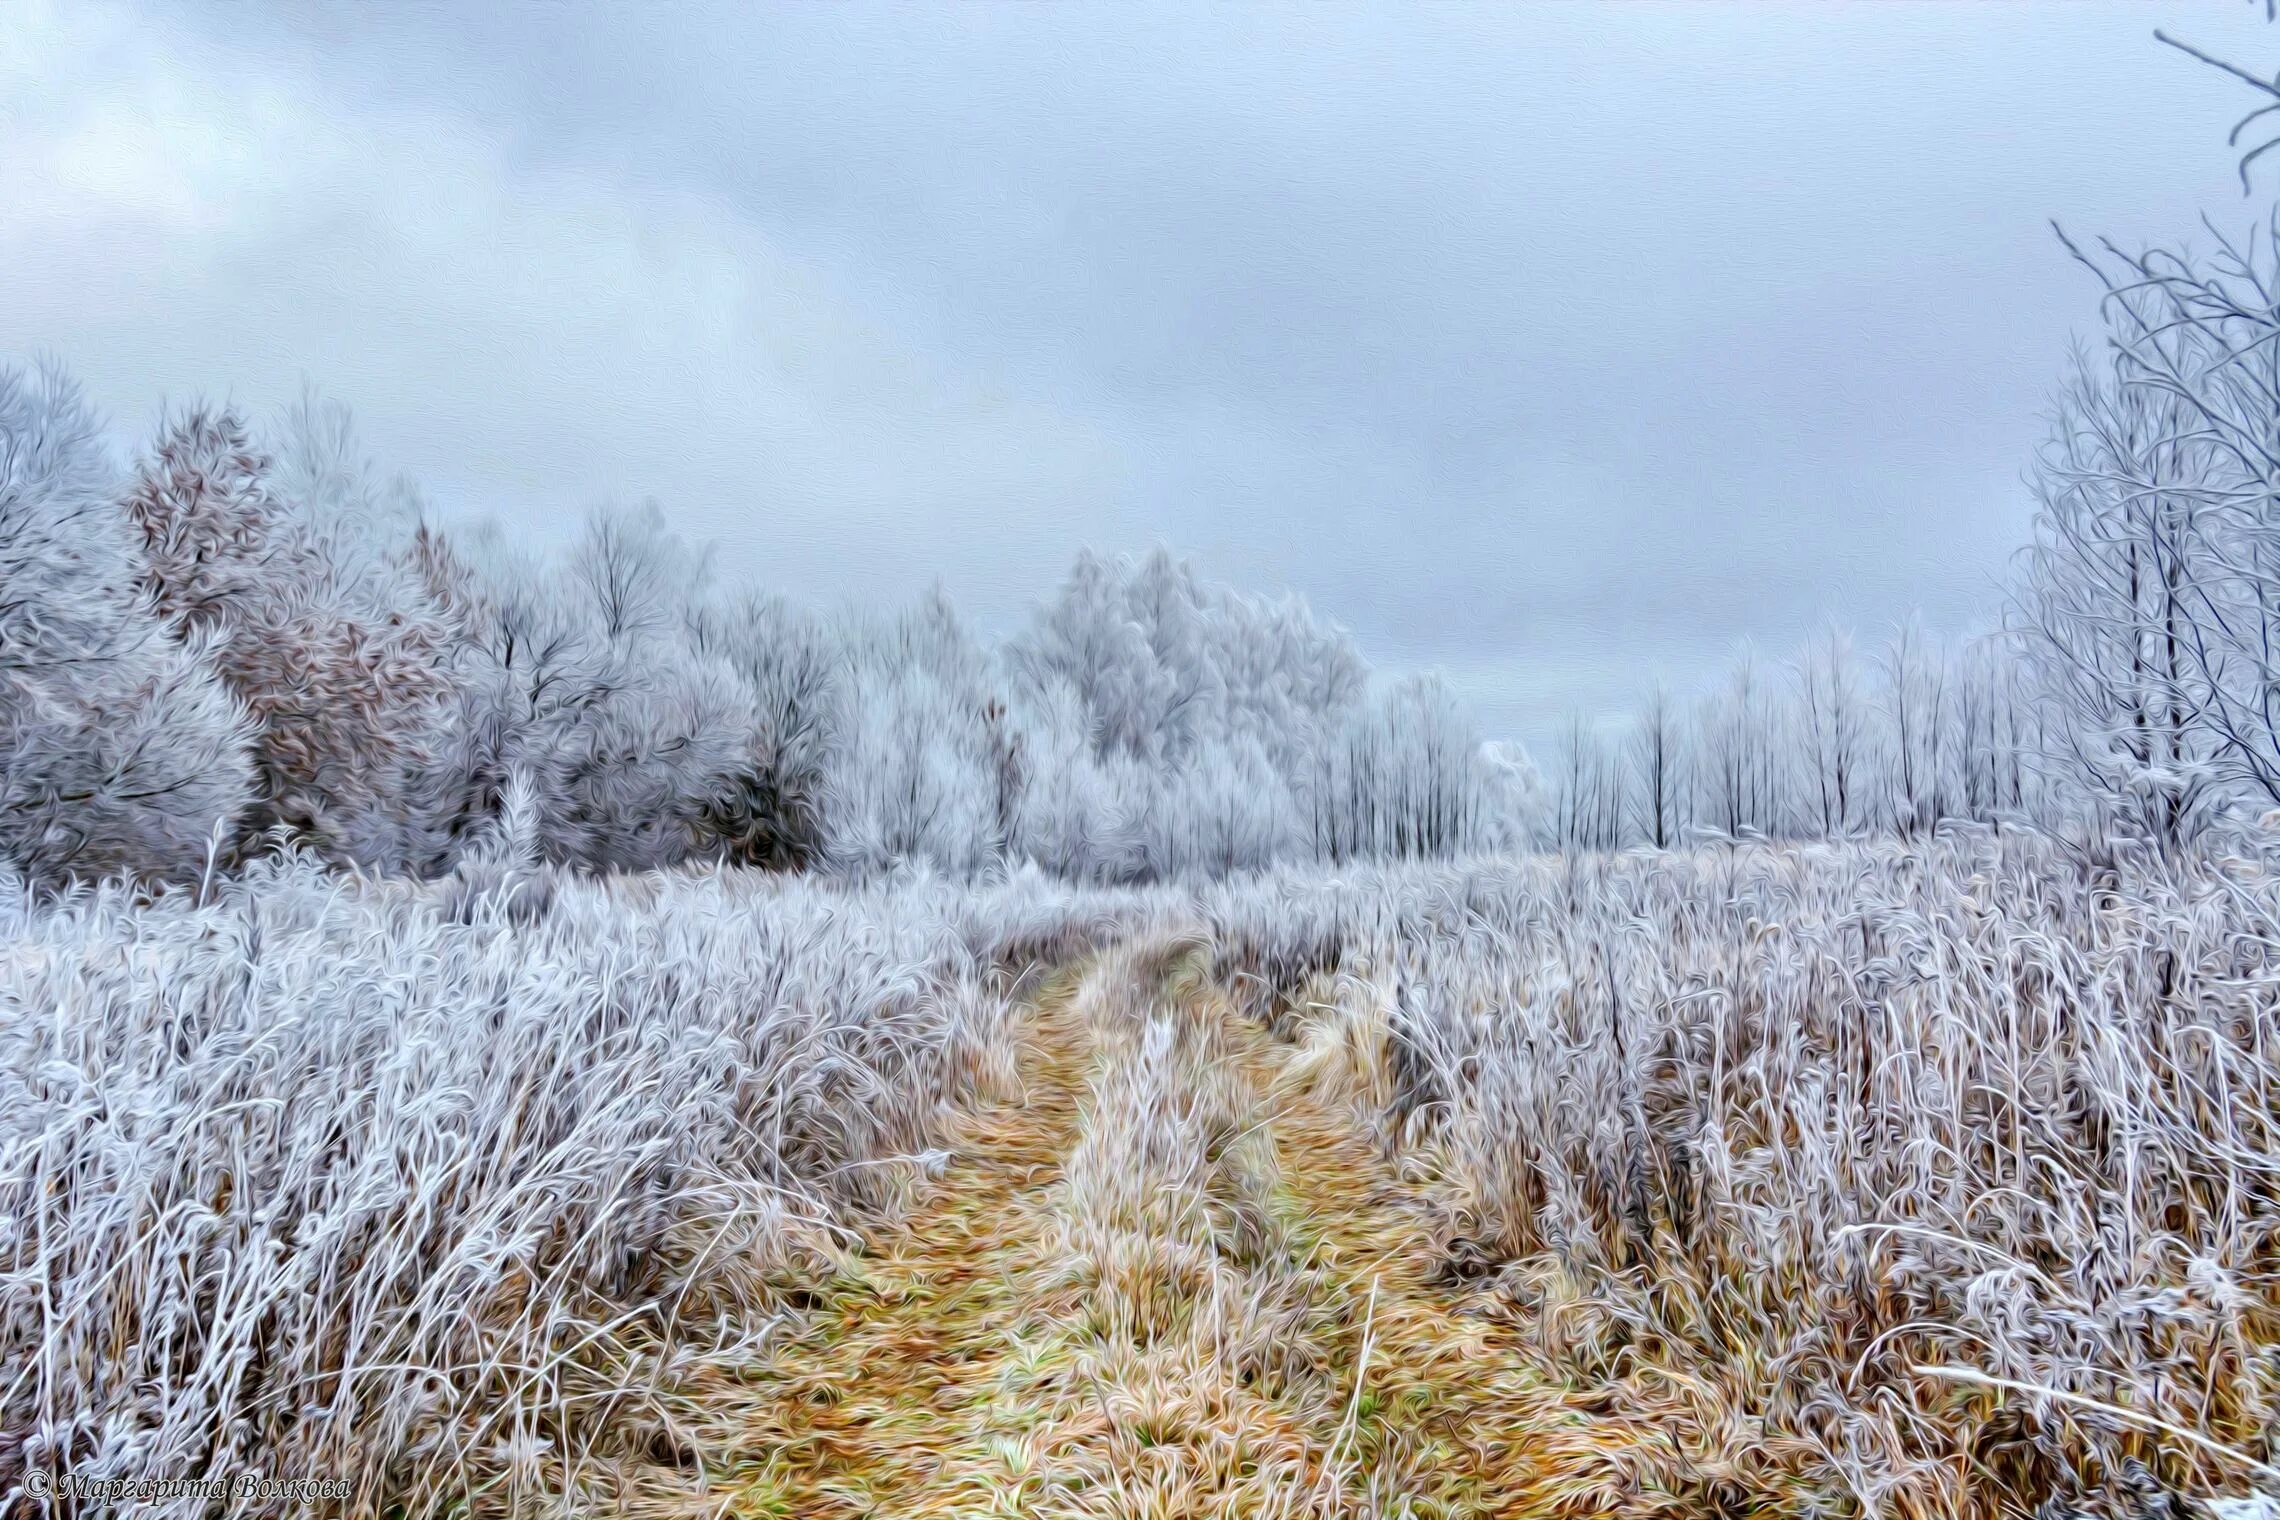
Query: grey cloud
x=1557 y=346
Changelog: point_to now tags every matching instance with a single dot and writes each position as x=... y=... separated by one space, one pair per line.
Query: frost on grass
x=1916 y=1180
x=318 y=1176
x=1923 y=1180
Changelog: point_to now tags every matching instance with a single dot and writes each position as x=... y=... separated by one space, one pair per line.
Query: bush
x=120 y=749
x=342 y=664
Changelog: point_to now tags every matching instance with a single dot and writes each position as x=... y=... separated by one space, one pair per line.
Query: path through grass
x=1172 y=1276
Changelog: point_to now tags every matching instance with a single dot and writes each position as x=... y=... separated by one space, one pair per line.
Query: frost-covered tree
x=1992 y=739
x=591 y=678
x=669 y=727
x=1212 y=720
x=2151 y=604
x=121 y=751
x=2145 y=607
x=1516 y=809
x=1740 y=780
x=1409 y=780
x=1833 y=726
x=329 y=640
x=1658 y=789
x=770 y=814
x=1913 y=696
x=1081 y=814
x=1291 y=681
x=529 y=672
x=1163 y=662
x=1224 y=809
x=1092 y=638
x=1931 y=734
x=910 y=789
x=915 y=779
x=1592 y=790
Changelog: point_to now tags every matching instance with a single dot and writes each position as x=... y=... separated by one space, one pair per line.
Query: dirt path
x=1173 y=1278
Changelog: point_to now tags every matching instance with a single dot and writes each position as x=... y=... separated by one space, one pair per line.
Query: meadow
x=1917 y=1179
x=506 y=1032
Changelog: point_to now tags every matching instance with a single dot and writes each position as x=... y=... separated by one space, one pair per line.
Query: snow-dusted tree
x=1721 y=775
x=1912 y=695
x=1008 y=773
x=911 y=788
x=771 y=813
x=1740 y=778
x=670 y=726
x=329 y=639
x=1409 y=779
x=1091 y=636
x=640 y=772
x=1593 y=789
x=2151 y=604
x=201 y=501
x=2151 y=609
x=1208 y=695
x=1835 y=759
x=1081 y=812
x=637 y=579
x=1163 y=662
x=321 y=469
x=1224 y=809
x=531 y=669
x=1291 y=681
x=120 y=748
x=1658 y=790
x=1990 y=736
x=915 y=779
x=590 y=678
x=1516 y=806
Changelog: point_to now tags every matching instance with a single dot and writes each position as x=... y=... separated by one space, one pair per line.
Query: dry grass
x=1171 y=1275
x=326 y=1178
x=1913 y=1181
x=1928 y=1181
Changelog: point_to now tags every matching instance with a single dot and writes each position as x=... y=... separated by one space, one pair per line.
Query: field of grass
x=1169 y=1274
x=1924 y=1180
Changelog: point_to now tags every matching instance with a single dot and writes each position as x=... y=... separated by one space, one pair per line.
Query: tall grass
x=322 y=1177
x=1933 y=1179
x=1927 y=1180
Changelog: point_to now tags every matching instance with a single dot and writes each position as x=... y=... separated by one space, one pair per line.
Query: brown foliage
x=341 y=673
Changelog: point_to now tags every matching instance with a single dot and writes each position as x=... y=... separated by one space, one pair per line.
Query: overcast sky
x=1557 y=348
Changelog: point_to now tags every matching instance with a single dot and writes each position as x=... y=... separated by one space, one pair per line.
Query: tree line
x=1828 y=743
x=2133 y=688
x=240 y=644
x=236 y=643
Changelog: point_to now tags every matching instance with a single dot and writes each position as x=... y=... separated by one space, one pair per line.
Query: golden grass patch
x=1174 y=1276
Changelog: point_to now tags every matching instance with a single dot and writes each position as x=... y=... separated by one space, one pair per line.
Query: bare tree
x=2127 y=609
x=1658 y=772
x=1914 y=698
x=1832 y=724
x=1739 y=780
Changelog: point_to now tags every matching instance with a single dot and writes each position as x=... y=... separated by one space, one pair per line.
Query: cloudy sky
x=1557 y=348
